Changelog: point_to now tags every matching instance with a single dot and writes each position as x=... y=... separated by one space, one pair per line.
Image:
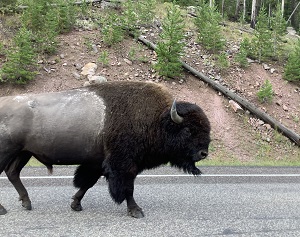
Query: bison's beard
x=188 y=167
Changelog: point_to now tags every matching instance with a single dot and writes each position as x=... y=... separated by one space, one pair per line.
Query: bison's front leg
x=132 y=208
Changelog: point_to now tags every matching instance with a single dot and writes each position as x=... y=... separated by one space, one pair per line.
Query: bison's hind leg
x=85 y=177
x=8 y=152
x=13 y=170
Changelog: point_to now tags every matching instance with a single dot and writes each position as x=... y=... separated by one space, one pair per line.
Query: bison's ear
x=174 y=115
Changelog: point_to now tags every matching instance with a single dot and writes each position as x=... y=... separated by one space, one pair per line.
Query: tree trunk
x=223 y=1
x=237 y=9
x=253 y=14
x=282 y=7
x=244 y=10
x=259 y=113
x=291 y=16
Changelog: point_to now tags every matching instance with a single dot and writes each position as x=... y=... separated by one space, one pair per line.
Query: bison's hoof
x=27 y=205
x=2 y=210
x=76 y=206
x=135 y=212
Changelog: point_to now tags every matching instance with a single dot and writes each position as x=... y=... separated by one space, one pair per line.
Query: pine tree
x=170 y=47
x=209 y=31
x=241 y=56
x=21 y=59
x=7 y=3
x=278 y=25
x=265 y=94
x=292 y=68
x=262 y=41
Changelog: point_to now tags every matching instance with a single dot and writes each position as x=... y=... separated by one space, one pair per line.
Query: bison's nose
x=203 y=154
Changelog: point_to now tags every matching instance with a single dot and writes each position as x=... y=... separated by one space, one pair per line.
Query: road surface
x=225 y=201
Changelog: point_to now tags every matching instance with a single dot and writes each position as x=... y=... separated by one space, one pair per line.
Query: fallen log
x=242 y=101
x=75 y=3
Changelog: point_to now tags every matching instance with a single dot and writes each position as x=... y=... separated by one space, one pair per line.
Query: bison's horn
x=174 y=115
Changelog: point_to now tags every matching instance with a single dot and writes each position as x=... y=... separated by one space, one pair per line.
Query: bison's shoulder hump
x=136 y=93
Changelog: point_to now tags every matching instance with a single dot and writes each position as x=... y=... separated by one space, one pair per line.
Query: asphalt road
x=225 y=201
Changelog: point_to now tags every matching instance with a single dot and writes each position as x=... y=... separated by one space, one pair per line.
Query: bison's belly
x=65 y=148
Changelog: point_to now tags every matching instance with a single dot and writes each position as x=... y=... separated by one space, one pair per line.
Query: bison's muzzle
x=202 y=154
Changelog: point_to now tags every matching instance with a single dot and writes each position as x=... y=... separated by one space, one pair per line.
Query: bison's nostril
x=203 y=154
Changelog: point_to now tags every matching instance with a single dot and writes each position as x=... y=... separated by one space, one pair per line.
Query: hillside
x=237 y=138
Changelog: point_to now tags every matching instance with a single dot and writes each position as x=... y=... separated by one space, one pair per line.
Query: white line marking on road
x=171 y=175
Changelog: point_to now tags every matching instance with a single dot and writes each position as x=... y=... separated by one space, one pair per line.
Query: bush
x=8 y=6
x=137 y=13
x=265 y=94
x=134 y=15
x=112 y=30
x=170 y=47
x=21 y=59
x=222 y=61
x=46 y=19
x=292 y=68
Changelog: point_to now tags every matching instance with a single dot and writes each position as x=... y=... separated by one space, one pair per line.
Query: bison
x=114 y=129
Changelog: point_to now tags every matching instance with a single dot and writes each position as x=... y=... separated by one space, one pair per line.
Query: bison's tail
x=50 y=169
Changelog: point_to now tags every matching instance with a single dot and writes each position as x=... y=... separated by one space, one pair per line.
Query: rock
x=191 y=10
x=127 y=61
x=260 y=122
x=76 y=75
x=94 y=47
x=279 y=102
x=249 y=60
x=89 y=69
x=235 y=106
x=62 y=56
x=78 y=66
x=96 y=79
x=272 y=70
x=285 y=108
x=235 y=48
x=217 y=77
x=266 y=67
x=86 y=83
x=267 y=126
x=291 y=31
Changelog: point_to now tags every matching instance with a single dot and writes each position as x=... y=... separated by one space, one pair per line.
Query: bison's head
x=187 y=138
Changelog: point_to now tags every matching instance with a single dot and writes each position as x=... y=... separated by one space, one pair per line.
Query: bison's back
x=59 y=126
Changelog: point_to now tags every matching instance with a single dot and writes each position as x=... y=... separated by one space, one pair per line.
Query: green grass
x=266 y=163
x=34 y=163
x=218 y=161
